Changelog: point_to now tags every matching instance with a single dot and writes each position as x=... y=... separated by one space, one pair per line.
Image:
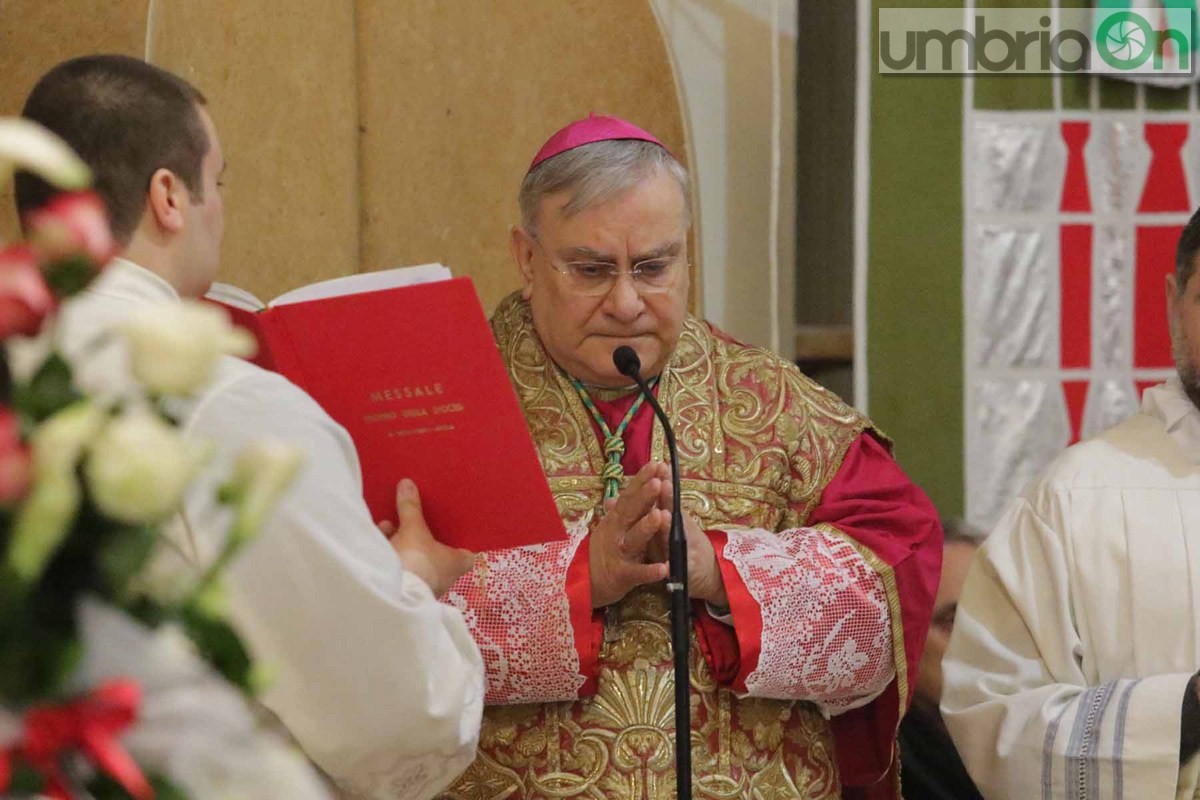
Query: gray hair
x=959 y=530
x=596 y=173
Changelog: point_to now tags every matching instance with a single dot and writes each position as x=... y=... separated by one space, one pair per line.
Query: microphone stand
x=628 y=364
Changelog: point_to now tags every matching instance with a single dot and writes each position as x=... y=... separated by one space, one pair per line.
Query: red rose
x=15 y=465
x=72 y=224
x=25 y=299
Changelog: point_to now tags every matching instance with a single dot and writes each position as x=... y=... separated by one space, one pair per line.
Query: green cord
x=614 y=444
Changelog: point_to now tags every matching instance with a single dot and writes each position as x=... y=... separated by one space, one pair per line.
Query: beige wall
x=456 y=97
x=281 y=81
x=363 y=134
x=722 y=53
x=37 y=34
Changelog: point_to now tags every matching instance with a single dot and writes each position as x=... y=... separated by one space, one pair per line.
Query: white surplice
x=379 y=683
x=1079 y=626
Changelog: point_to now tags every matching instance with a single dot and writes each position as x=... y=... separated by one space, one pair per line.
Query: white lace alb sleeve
x=824 y=626
x=516 y=606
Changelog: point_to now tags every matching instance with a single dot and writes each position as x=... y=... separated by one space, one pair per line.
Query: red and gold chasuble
x=830 y=558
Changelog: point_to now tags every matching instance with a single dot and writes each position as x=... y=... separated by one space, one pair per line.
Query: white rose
x=27 y=145
x=46 y=514
x=139 y=466
x=174 y=348
x=262 y=473
x=168 y=576
x=59 y=441
x=266 y=466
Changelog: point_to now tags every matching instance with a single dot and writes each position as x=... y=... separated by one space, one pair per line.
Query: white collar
x=1169 y=403
x=123 y=278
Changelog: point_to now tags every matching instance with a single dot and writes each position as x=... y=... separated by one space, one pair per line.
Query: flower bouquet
x=119 y=674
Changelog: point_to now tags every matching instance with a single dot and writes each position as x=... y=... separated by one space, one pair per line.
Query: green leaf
x=220 y=645
x=26 y=780
x=69 y=276
x=125 y=554
x=36 y=659
x=165 y=790
x=50 y=390
x=103 y=787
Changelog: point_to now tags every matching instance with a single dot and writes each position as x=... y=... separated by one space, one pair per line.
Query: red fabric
x=1075 y=394
x=1166 y=187
x=874 y=502
x=718 y=641
x=1075 y=196
x=1075 y=324
x=588 y=623
x=91 y=726
x=1155 y=257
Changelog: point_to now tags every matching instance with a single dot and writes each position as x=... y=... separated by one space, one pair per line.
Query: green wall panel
x=914 y=296
x=1117 y=95
x=1159 y=99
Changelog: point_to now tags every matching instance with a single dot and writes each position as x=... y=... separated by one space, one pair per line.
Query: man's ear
x=520 y=243
x=165 y=199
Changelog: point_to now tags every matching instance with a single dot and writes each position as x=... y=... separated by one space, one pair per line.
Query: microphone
x=626 y=360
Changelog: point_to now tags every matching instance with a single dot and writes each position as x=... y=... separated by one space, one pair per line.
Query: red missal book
x=404 y=359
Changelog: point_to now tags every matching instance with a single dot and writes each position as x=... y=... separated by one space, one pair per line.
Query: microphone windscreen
x=626 y=360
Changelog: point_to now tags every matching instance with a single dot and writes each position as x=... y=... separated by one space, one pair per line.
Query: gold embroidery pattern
x=757 y=444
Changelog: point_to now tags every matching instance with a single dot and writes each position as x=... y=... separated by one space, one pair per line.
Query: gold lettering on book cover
x=757 y=444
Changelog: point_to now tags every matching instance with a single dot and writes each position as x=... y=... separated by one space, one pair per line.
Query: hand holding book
x=437 y=564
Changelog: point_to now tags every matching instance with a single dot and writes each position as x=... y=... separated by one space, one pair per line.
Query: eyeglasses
x=596 y=278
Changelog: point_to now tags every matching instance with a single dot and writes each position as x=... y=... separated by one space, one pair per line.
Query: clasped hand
x=628 y=547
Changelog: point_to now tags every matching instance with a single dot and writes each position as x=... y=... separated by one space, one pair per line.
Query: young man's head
x=154 y=152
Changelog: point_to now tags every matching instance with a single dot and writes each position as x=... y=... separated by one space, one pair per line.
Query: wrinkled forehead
x=653 y=206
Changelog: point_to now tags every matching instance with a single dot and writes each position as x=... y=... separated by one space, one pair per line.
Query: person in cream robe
x=1071 y=672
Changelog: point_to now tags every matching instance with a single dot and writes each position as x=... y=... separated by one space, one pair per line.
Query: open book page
x=235 y=297
x=229 y=295
x=365 y=282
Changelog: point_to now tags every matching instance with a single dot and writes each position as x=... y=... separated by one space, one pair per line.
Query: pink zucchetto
x=591 y=129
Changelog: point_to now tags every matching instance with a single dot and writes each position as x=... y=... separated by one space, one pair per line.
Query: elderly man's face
x=580 y=332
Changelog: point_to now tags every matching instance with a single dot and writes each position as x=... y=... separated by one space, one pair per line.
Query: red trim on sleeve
x=718 y=641
x=587 y=623
x=747 y=616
